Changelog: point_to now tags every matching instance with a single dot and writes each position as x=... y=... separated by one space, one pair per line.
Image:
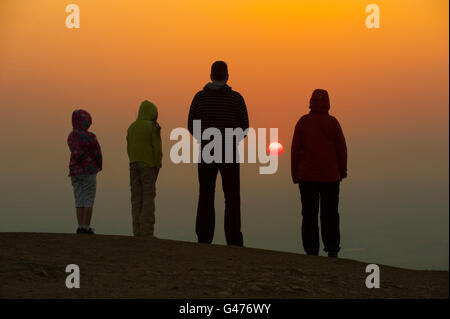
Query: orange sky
x=388 y=87
x=382 y=82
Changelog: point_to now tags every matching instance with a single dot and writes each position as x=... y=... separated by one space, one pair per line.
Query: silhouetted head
x=219 y=71
x=148 y=111
x=81 y=120
x=320 y=101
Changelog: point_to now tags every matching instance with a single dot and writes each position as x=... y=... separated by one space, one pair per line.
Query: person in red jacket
x=318 y=164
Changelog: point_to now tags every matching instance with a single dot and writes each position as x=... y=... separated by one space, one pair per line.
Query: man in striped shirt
x=218 y=106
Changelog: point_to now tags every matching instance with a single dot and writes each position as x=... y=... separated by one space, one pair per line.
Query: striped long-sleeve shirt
x=220 y=107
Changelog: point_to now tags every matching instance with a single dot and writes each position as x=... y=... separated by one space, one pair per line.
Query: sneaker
x=80 y=230
x=332 y=254
x=90 y=231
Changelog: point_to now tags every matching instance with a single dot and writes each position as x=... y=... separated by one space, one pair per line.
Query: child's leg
x=147 y=220
x=80 y=215
x=87 y=215
x=136 y=197
x=89 y=190
x=78 y=195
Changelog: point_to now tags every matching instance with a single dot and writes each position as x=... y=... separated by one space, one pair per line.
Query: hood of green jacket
x=147 y=111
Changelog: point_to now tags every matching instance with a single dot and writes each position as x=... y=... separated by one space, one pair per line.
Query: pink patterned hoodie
x=86 y=155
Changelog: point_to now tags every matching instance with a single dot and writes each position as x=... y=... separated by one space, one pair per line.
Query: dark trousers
x=327 y=195
x=205 y=223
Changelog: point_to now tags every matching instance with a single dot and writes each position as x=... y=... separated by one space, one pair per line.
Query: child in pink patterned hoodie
x=85 y=163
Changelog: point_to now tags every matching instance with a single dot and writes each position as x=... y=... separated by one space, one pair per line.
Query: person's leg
x=136 y=197
x=80 y=215
x=89 y=191
x=310 y=212
x=87 y=216
x=78 y=196
x=147 y=218
x=329 y=217
x=231 y=189
x=205 y=222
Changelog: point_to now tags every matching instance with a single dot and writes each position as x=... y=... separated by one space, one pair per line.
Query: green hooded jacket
x=144 y=137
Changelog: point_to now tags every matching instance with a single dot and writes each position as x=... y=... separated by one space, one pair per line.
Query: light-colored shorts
x=84 y=188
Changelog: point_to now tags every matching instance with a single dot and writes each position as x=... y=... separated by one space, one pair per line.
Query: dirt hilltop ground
x=33 y=265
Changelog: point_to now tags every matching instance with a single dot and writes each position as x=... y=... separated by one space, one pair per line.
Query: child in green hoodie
x=145 y=153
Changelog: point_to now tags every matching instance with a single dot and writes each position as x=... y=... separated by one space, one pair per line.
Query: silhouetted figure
x=318 y=164
x=144 y=150
x=218 y=106
x=85 y=162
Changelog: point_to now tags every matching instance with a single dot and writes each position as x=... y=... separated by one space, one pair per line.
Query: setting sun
x=275 y=148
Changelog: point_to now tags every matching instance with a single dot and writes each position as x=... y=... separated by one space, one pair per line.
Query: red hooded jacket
x=319 y=152
x=85 y=153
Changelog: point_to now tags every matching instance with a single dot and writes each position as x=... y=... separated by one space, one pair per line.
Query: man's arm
x=192 y=114
x=243 y=115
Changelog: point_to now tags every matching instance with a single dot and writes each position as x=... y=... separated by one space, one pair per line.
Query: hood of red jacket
x=81 y=120
x=320 y=101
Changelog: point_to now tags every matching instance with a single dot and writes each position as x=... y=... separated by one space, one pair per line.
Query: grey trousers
x=143 y=192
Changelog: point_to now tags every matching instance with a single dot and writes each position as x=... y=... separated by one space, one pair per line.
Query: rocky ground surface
x=33 y=265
